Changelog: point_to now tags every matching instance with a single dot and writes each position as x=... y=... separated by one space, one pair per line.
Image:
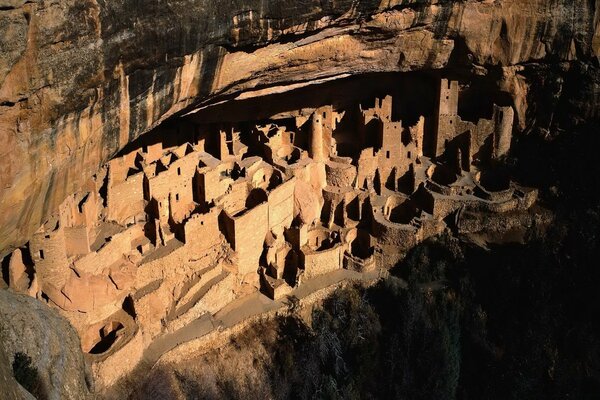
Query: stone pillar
x=316 y=137
x=418 y=135
x=223 y=149
x=17 y=274
x=503 y=119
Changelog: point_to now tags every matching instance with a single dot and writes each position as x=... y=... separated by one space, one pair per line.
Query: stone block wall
x=322 y=262
x=126 y=199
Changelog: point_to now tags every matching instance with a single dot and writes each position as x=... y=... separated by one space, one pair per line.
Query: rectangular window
x=178 y=170
x=387 y=154
x=41 y=254
x=177 y=197
x=409 y=154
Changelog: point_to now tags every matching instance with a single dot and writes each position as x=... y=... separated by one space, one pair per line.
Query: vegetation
x=27 y=376
x=513 y=322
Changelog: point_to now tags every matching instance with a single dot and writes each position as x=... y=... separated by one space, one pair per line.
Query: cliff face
x=80 y=79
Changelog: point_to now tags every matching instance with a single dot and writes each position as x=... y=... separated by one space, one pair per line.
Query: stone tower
x=447 y=115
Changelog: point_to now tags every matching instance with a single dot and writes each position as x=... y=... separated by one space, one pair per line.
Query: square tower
x=447 y=115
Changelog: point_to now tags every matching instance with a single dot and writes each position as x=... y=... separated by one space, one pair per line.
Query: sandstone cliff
x=80 y=79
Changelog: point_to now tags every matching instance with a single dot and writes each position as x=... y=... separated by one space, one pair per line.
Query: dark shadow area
x=107 y=337
x=28 y=376
x=5 y=273
x=414 y=94
x=255 y=198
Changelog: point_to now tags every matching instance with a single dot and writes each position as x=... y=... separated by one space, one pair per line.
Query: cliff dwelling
x=299 y=199
x=266 y=197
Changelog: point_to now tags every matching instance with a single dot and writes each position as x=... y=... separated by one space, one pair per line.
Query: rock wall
x=31 y=328
x=79 y=79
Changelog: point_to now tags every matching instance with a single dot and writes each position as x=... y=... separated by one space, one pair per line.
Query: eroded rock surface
x=80 y=79
x=32 y=331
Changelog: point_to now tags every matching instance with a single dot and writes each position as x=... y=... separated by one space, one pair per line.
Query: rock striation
x=81 y=79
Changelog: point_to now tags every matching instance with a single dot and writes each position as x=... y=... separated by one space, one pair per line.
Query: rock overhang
x=72 y=95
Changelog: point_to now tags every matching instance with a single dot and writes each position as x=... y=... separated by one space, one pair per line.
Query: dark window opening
x=41 y=254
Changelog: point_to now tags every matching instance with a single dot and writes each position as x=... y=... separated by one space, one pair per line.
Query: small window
x=177 y=196
x=41 y=254
x=387 y=154
x=47 y=236
x=201 y=222
x=160 y=203
x=178 y=170
x=408 y=154
x=451 y=122
x=447 y=97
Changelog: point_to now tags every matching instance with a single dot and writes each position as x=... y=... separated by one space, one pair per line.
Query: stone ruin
x=168 y=232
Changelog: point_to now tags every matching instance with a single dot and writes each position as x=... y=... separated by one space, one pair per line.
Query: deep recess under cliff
x=219 y=216
x=79 y=80
x=174 y=175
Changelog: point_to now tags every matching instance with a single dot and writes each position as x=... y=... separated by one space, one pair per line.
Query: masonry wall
x=322 y=262
x=202 y=231
x=281 y=205
x=126 y=199
x=447 y=115
x=48 y=252
x=112 y=252
x=118 y=168
x=173 y=180
x=235 y=200
x=340 y=174
x=77 y=241
x=443 y=206
x=246 y=234
x=403 y=236
x=211 y=186
x=367 y=165
x=69 y=212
